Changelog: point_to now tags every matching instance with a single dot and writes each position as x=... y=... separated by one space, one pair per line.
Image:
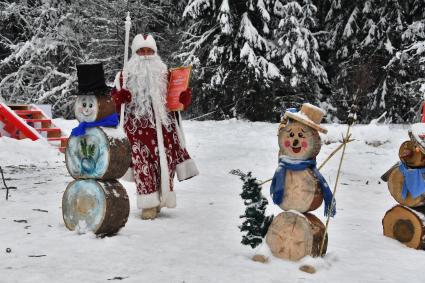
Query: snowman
x=297 y=183
x=298 y=187
x=97 y=154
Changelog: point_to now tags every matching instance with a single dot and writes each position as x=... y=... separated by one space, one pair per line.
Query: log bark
x=406 y=225
x=110 y=159
x=395 y=186
x=410 y=154
x=302 y=191
x=100 y=207
x=293 y=235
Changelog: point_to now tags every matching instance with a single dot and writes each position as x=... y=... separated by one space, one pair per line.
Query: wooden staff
x=126 y=43
x=344 y=144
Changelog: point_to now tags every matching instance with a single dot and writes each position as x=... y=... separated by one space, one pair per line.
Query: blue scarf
x=109 y=121
x=277 y=187
x=413 y=181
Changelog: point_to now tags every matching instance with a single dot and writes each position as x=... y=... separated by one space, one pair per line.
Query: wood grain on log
x=407 y=225
x=302 y=191
x=100 y=207
x=293 y=235
x=395 y=186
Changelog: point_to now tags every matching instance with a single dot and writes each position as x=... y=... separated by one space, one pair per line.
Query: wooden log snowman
x=97 y=154
x=405 y=222
x=298 y=187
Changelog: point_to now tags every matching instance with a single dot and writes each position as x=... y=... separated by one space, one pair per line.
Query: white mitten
x=117 y=83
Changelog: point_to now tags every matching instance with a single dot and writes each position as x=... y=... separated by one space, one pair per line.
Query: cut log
x=300 y=141
x=406 y=225
x=293 y=235
x=410 y=155
x=102 y=153
x=100 y=207
x=90 y=108
x=395 y=186
x=302 y=191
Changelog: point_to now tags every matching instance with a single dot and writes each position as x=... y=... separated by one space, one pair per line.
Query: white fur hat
x=141 y=41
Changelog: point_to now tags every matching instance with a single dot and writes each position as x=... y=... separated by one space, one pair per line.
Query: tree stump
x=395 y=186
x=102 y=153
x=90 y=205
x=410 y=155
x=406 y=225
x=90 y=108
x=302 y=191
x=293 y=235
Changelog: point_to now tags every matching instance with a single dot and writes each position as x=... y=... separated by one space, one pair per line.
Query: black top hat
x=91 y=79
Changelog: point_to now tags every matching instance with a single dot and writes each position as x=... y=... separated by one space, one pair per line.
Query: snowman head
x=86 y=108
x=299 y=132
x=299 y=141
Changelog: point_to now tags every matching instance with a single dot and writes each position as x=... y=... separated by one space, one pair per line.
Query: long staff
x=126 y=43
x=351 y=118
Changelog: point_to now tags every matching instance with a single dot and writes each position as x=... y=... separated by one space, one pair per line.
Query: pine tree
x=229 y=44
x=297 y=50
x=342 y=27
x=404 y=73
x=256 y=223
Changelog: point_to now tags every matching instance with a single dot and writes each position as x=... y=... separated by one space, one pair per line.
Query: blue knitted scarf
x=413 y=181
x=277 y=187
x=108 y=121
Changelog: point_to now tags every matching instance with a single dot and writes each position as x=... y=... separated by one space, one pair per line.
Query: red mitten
x=186 y=98
x=120 y=96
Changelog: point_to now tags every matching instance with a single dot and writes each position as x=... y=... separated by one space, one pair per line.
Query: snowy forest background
x=252 y=59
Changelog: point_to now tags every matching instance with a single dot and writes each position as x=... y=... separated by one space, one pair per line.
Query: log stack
x=405 y=222
x=295 y=232
x=95 y=201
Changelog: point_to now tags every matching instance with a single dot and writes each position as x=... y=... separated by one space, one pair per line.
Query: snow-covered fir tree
x=297 y=52
x=369 y=62
x=401 y=94
x=343 y=26
x=229 y=43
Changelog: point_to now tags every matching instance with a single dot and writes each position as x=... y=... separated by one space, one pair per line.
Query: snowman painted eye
x=91 y=105
x=291 y=135
x=300 y=135
x=84 y=105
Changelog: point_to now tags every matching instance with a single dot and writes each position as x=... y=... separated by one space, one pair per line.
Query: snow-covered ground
x=199 y=241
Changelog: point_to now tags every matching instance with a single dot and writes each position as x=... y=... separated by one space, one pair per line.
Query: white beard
x=147 y=82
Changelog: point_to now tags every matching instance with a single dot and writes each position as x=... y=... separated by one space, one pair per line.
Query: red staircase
x=28 y=121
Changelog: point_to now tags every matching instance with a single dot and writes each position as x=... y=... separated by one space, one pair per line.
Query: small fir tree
x=256 y=223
